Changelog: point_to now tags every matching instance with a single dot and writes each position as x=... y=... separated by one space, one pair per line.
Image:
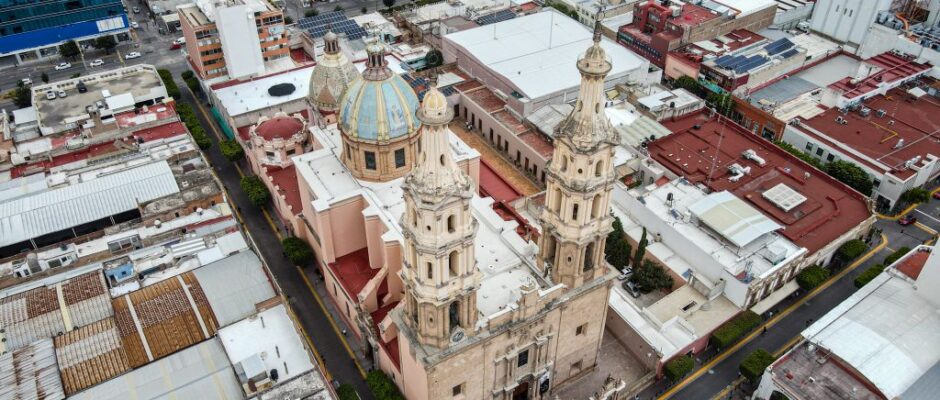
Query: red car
x=907 y=220
x=936 y=195
x=175 y=46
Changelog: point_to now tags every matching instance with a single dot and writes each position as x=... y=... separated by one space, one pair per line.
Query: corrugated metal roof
x=233 y=285
x=30 y=373
x=732 y=218
x=198 y=372
x=53 y=210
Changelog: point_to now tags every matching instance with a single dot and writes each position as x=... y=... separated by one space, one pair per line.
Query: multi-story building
x=659 y=28
x=34 y=29
x=221 y=37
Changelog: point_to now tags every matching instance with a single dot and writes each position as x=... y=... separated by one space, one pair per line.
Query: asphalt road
x=316 y=324
x=782 y=331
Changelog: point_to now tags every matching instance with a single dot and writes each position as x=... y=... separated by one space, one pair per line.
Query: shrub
x=731 y=331
x=678 y=367
x=22 y=96
x=915 y=195
x=171 y=89
x=650 y=276
x=755 y=363
x=778 y=396
x=257 y=193
x=311 y=13
x=231 y=150
x=298 y=251
x=338 y=8
x=193 y=84
x=382 y=386
x=347 y=392
x=187 y=74
x=811 y=277
x=850 y=174
x=869 y=274
x=896 y=255
x=851 y=250
x=188 y=116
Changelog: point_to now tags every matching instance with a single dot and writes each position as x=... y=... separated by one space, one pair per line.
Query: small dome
x=279 y=127
x=331 y=76
x=380 y=105
x=434 y=108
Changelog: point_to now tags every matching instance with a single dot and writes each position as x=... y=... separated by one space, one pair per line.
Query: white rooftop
x=253 y=95
x=740 y=8
x=886 y=330
x=731 y=217
x=268 y=338
x=535 y=52
x=505 y=259
x=676 y=98
x=98 y=195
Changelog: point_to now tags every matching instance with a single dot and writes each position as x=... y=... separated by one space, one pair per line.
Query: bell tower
x=440 y=274
x=576 y=218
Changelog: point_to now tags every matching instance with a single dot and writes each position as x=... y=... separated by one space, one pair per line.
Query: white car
x=132 y=55
x=96 y=63
x=63 y=65
x=62 y=93
x=50 y=95
x=27 y=81
x=135 y=25
x=180 y=41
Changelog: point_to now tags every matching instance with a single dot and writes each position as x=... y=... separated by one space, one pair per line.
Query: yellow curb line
x=329 y=317
x=773 y=321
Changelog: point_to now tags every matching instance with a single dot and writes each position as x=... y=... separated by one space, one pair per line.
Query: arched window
x=574 y=212
x=564 y=163
x=454 y=314
x=454 y=261
x=430 y=269
x=599 y=168
x=556 y=201
x=451 y=223
x=549 y=248
x=589 y=257
x=596 y=206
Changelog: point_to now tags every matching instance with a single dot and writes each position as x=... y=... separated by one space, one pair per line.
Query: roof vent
x=841 y=121
x=900 y=143
x=881 y=113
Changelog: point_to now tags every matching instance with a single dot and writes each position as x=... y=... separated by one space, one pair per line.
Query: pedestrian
x=344 y=331
x=763 y=331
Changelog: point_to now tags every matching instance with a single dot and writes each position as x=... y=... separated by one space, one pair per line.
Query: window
x=451 y=222
x=453 y=260
x=809 y=146
x=399 y=158
x=596 y=206
x=830 y=157
x=574 y=212
x=269 y=155
x=599 y=169
x=457 y=390
x=819 y=151
x=291 y=152
x=430 y=271
x=580 y=329
x=522 y=359
x=370 y=160
x=124 y=244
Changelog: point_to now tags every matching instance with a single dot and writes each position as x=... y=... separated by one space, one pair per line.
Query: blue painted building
x=32 y=29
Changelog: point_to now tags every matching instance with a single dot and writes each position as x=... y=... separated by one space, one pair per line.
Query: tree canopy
x=69 y=49
x=850 y=174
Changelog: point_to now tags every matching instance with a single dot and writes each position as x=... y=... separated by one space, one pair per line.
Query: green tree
x=689 y=83
x=231 y=150
x=311 y=13
x=298 y=251
x=44 y=77
x=851 y=250
x=289 y=20
x=723 y=103
x=364 y=10
x=871 y=273
x=678 y=367
x=731 y=331
x=22 y=97
x=650 y=276
x=69 y=50
x=778 y=396
x=915 y=195
x=617 y=249
x=256 y=191
x=171 y=89
x=755 y=363
x=106 y=43
x=640 y=250
x=850 y=174
x=382 y=386
x=811 y=277
x=338 y=8
x=434 y=58
x=347 y=392
x=388 y=3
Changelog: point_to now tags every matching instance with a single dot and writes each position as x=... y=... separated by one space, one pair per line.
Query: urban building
x=34 y=29
x=687 y=61
x=658 y=27
x=221 y=36
x=880 y=343
x=793 y=14
x=742 y=70
x=846 y=21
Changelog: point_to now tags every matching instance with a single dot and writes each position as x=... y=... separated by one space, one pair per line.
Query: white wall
x=240 y=43
x=846 y=20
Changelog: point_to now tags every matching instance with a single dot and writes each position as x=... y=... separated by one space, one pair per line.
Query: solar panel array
x=790 y=53
x=499 y=16
x=778 y=46
x=421 y=86
x=336 y=21
x=750 y=64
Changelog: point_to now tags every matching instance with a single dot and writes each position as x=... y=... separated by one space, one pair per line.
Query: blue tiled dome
x=380 y=105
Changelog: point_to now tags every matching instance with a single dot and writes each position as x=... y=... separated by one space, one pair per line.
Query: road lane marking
x=928 y=215
x=925 y=228
x=773 y=321
x=329 y=317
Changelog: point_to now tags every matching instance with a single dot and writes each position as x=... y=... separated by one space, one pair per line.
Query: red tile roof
x=831 y=208
x=353 y=272
x=876 y=137
x=492 y=185
x=486 y=99
x=286 y=181
x=913 y=264
x=390 y=347
x=538 y=142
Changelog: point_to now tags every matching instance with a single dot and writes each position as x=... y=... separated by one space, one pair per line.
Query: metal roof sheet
x=234 y=285
x=53 y=210
x=732 y=218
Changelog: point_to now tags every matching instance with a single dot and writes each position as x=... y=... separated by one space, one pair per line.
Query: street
x=794 y=315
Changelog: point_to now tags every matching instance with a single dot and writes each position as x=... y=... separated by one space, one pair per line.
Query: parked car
x=136 y=10
x=27 y=81
x=81 y=87
x=625 y=273
x=50 y=95
x=96 y=62
x=631 y=288
x=180 y=40
x=132 y=55
x=175 y=46
x=936 y=195
x=61 y=93
x=63 y=65
x=907 y=220
x=135 y=25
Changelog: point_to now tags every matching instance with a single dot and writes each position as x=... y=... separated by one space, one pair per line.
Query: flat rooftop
x=705 y=150
x=831 y=379
x=244 y=97
x=887 y=68
x=873 y=140
x=535 y=53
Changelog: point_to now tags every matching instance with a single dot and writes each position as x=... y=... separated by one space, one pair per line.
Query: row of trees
x=70 y=50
